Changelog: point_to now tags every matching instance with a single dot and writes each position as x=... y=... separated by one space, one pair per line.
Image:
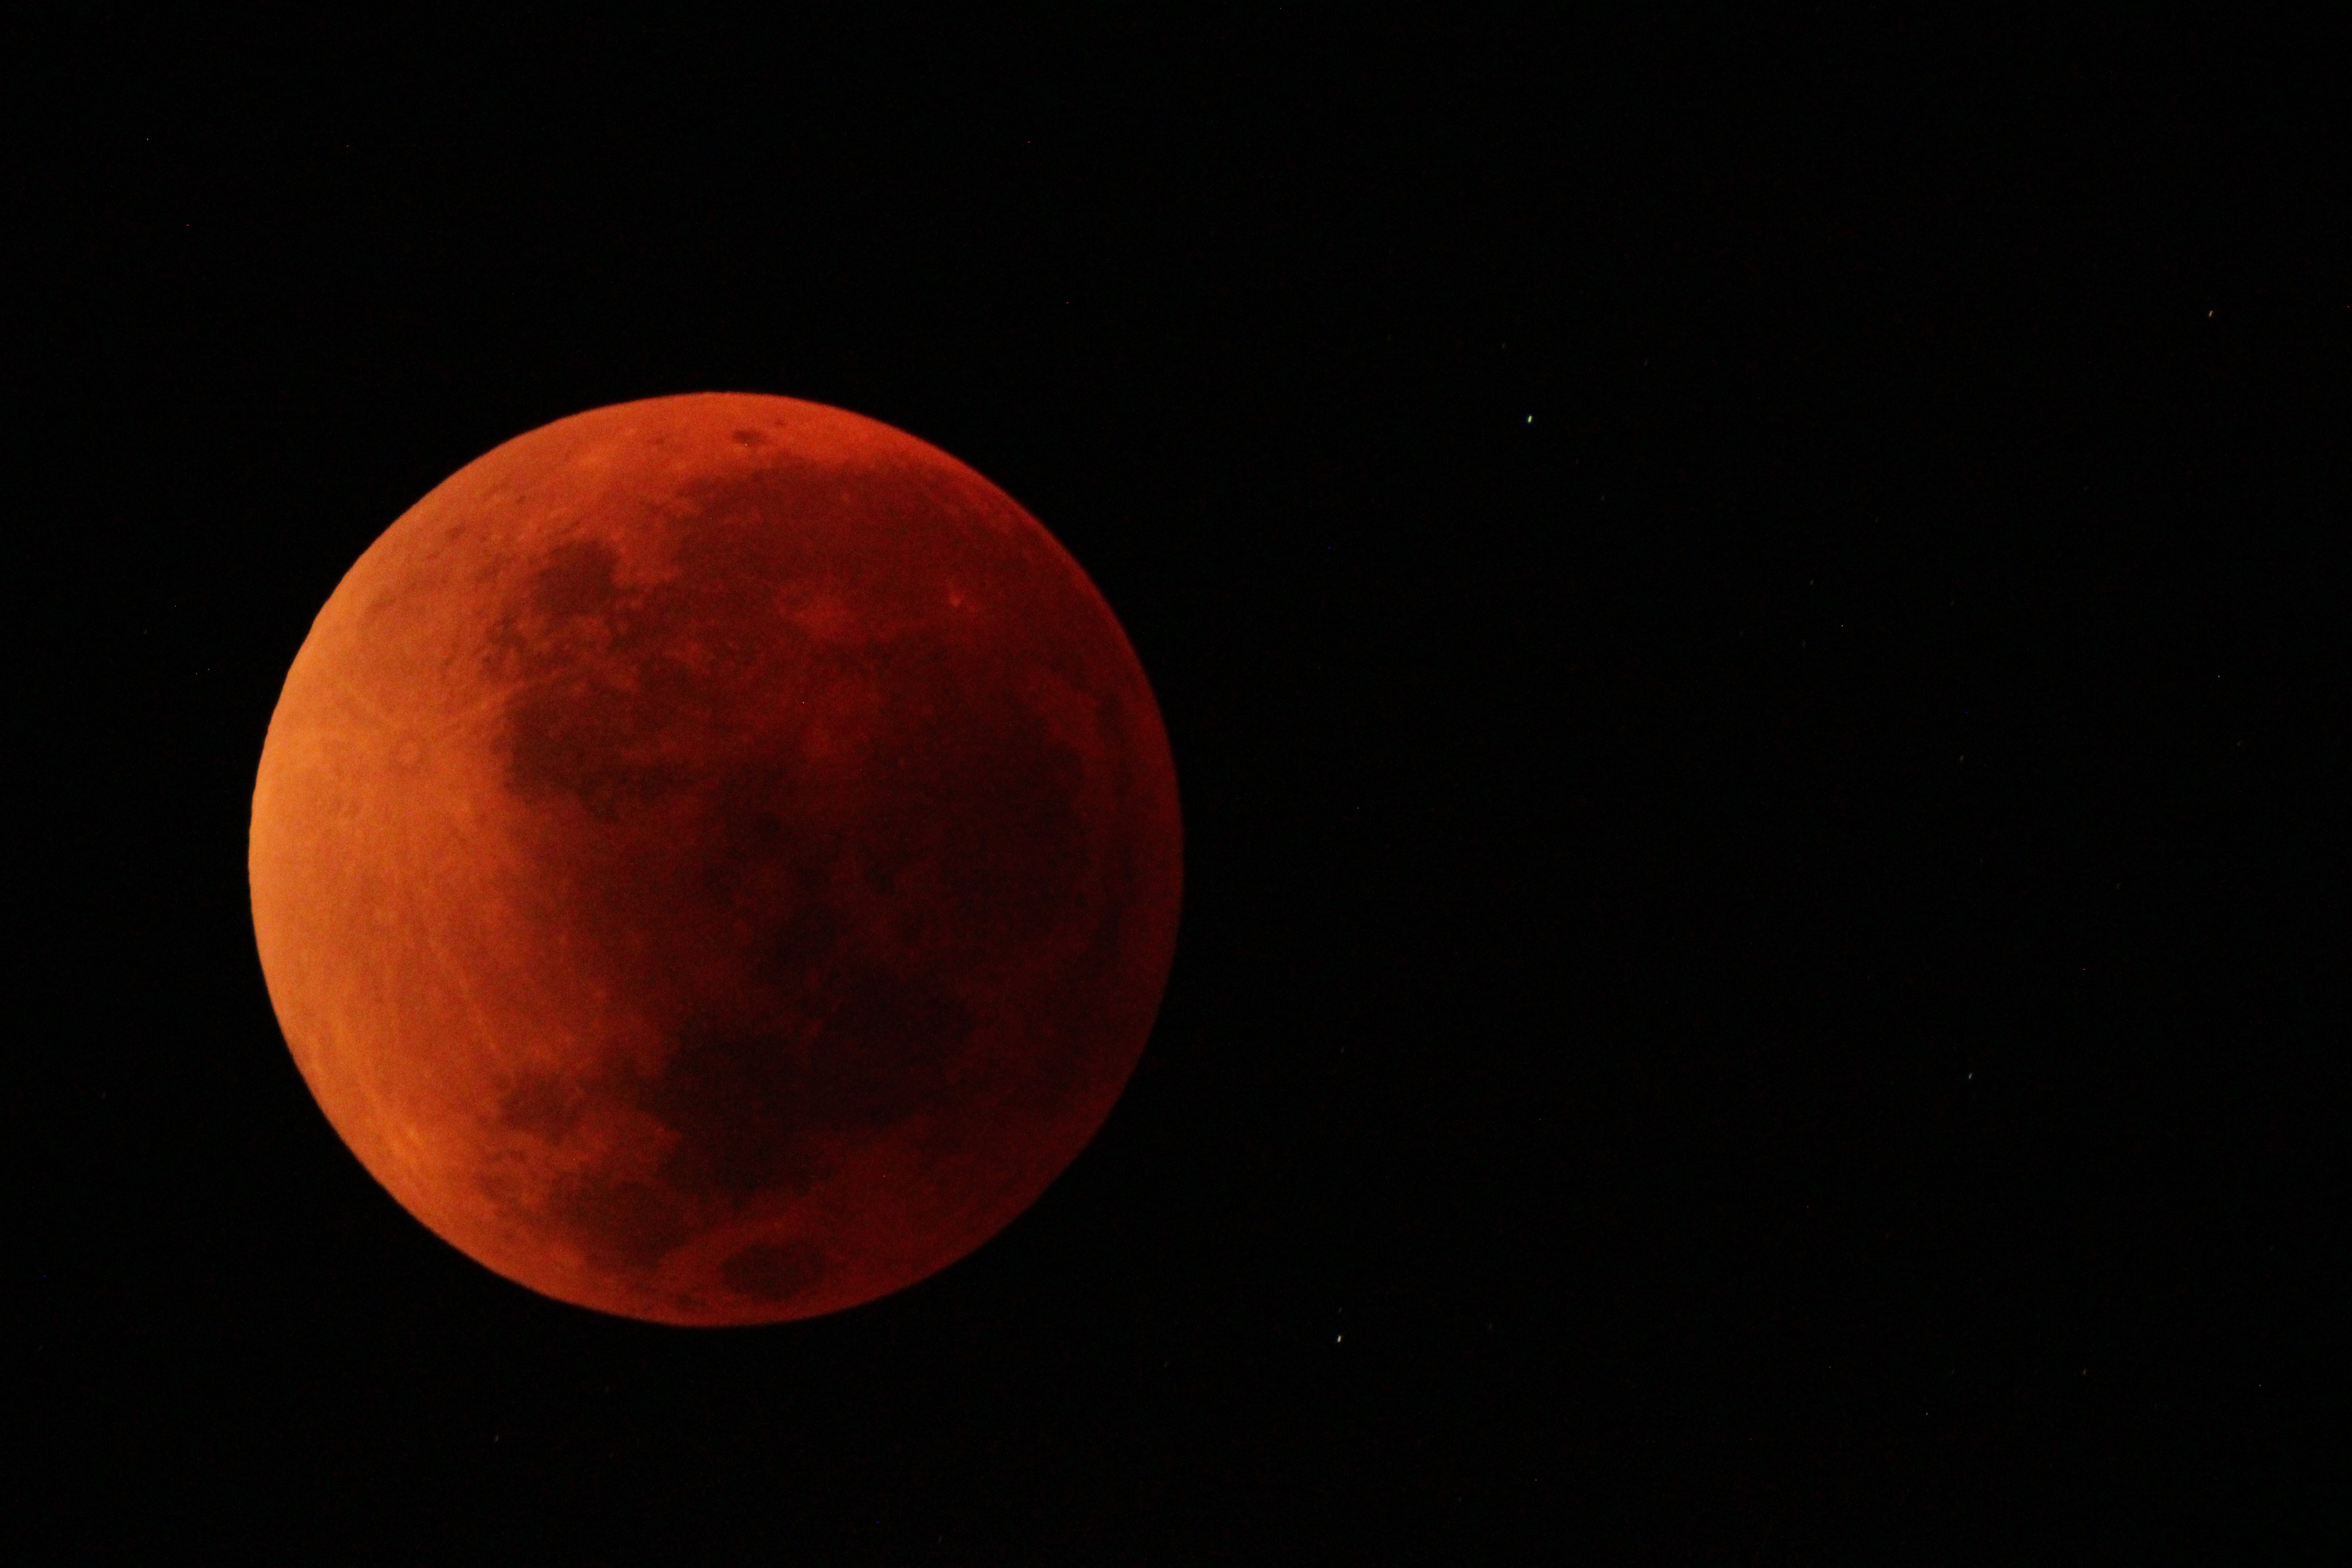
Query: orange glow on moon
x=716 y=859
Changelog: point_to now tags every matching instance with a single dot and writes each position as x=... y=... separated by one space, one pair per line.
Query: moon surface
x=716 y=859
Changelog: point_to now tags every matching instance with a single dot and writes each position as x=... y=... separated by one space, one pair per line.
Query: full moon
x=716 y=859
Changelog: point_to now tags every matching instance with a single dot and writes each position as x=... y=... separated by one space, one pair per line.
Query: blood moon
x=716 y=859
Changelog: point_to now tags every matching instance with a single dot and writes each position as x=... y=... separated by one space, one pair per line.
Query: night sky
x=1752 y=625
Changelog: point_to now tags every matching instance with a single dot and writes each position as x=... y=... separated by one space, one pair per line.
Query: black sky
x=1752 y=625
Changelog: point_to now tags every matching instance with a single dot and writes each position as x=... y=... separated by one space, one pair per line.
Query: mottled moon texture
x=716 y=859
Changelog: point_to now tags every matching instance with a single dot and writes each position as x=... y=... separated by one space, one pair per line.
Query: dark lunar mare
x=867 y=1000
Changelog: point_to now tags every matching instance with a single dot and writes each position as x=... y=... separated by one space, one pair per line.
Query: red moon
x=716 y=859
